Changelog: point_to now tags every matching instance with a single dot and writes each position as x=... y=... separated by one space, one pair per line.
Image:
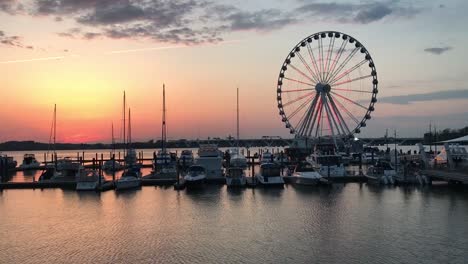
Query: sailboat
x=131 y=176
x=235 y=175
x=112 y=165
x=164 y=165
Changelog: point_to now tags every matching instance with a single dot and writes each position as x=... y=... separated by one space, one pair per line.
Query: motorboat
x=196 y=175
x=235 y=177
x=381 y=173
x=210 y=158
x=30 y=162
x=164 y=165
x=305 y=174
x=89 y=181
x=236 y=159
x=10 y=162
x=186 y=158
x=327 y=164
x=131 y=178
x=267 y=157
x=270 y=175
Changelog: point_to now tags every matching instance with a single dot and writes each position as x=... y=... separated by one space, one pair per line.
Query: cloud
x=12 y=41
x=442 y=95
x=361 y=13
x=438 y=50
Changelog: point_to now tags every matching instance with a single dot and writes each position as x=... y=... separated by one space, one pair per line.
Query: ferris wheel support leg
x=343 y=123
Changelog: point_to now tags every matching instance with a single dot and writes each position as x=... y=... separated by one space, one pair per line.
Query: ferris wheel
x=327 y=86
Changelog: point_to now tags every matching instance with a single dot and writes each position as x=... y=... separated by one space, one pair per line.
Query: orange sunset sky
x=82 y=55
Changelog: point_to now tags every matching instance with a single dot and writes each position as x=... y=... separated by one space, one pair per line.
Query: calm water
x=344 y=224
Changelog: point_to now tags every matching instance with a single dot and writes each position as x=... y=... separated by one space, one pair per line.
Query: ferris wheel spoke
x=330 y=119
x=319 y=120
x=331 y=46
x=320 y=41
x=314 y=61
x=298 y=99
x=298 y=81
x=349 y=90
x=351 y=80
x=305 y=119
x=349 y=100
x=343 y=64
x=338 y=55
x=341 y=121
x=345 y=110
x=348 y=71
x=302 y=73
x=297 y=110
x=315 y=109
x=313 y=75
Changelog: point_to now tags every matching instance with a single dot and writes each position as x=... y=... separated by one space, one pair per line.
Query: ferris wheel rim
x=359 y=47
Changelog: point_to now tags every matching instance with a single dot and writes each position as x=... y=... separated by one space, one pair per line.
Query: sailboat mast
x=124 y=136
x=238 y=119
x=112 y=140
x=55 y=124
x=129 y=129
x=163 y=132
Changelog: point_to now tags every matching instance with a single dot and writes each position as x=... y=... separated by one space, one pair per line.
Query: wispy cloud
x=411 y=98
x=13 y=41
x=31 y=60
x=438 y=50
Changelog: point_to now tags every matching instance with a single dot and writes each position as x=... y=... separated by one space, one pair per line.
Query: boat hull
x=236 y=182
x=127 y=184
x=270 y=181
x=86 y=186
x=304 y=181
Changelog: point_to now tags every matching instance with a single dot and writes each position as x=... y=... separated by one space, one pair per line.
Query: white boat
x=327 y=164
x=280 y=158
x=196 y=175
x=267 y=157
x=236 y=159
x=165 y=164
x=381 y=173
x=29 y=162
x=305 y=174
x=210 y=158
x=186 y=158
x=235 y=177
x=67 y=169
x=131 y=178
x=270 y=175
x=89 y=181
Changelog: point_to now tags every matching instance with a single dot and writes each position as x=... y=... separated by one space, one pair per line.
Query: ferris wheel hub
x=322 y=88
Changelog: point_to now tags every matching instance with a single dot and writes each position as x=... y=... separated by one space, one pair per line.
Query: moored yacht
x=196 y=175
x=381 y=173
x=89 y=180
x=236 y=159
x=164 y=165
x=30 y=162
x=305 y=174
x=210 y=158
x=270 y=175
x=131 y=178
x=112 y=165
x=267 y=157
x=235 y=177
x=327 y=162
x=186 y=157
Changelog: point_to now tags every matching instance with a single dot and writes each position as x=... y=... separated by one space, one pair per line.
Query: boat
x=305 y=174
x=30 y=162
x=235 y=177
x=196 y=175
x=267 y=157
x=11 y=163
x=370 y=155
x=186 y=158
x=112 y=165
x=164 y=163
x=67 y=169
x=89 y=181
x=131 y=176
x=130 y=179
x=327 y=161
x=382 y=173
x=281 y=159
x=270 y=175
x=210 y=158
